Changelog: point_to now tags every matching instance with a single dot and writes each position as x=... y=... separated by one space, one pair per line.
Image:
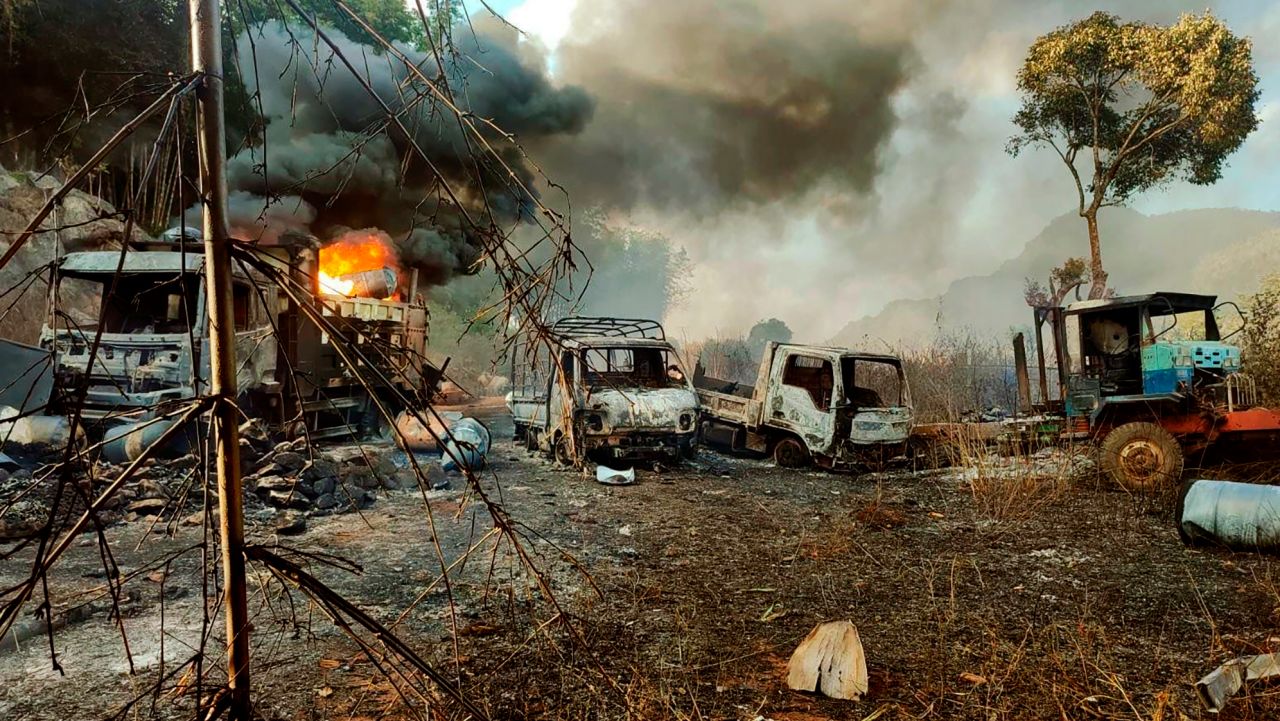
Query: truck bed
x=725 y=402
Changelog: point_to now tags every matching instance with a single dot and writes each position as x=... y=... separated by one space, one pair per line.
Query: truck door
x=803 y=390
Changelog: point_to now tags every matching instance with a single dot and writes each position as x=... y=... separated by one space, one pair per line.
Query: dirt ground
x=1010 y=589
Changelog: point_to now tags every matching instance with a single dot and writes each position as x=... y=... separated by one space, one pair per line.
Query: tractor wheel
x=1141 y=457
x=790 y=453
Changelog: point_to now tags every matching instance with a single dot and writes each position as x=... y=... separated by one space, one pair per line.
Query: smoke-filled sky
x=818 y=159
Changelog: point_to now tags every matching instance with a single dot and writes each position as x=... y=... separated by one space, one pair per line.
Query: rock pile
x=283 y=485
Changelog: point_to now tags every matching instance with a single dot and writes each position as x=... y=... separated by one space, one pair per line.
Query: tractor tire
x=1141 y=457
x=790 y=453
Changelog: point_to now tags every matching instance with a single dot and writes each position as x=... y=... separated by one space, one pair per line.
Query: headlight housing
x=595 y=422
x=686 y=421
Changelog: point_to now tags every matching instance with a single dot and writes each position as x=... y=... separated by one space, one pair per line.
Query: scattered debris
x=830 y=661
x=612 y=477
x=1226 y=680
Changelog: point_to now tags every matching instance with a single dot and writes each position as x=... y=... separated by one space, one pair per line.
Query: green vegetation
x=1147 y=105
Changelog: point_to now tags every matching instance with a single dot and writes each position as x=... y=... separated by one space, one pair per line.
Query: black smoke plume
x=327 y=160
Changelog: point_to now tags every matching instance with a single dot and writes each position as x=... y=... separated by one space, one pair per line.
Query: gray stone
x=325 y=501
x=363 y=479
x=285 y=499
x=291 y=523
x=148 y=506
x=184 y=462
x=320 y=468
x=406 y=478
x=324 y=485
x=291 y=460
x=267 y=484
x=271 y=469
x=383 y=465
x=148 y=488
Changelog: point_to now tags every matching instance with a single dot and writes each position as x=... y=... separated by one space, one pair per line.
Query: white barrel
x=1238 y=515
x=52 y=431
x=468 y=444
x=380 y=283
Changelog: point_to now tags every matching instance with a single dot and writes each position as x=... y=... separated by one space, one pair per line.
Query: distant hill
x=1221 y=251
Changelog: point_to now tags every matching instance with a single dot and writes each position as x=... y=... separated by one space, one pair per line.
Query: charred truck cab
x=833 y=407
x=610 y=389
x=154 y=340
x=147 y=354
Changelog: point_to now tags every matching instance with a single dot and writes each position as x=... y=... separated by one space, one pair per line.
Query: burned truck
x=611 y=389
x=148 y=304
x=832 y=407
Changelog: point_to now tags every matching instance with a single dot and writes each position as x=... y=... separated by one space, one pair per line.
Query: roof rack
x=577 y=326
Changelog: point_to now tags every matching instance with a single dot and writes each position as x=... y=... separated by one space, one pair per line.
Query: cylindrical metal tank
x=467 y=445
x=52 y=431
x=124 y=443
x=417 y=437
x=380 y=283
x=1239 y=515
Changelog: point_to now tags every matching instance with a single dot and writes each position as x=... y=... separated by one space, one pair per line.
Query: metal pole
x=206 y=58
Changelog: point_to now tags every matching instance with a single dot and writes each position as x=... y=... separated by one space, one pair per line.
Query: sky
x=817 y=269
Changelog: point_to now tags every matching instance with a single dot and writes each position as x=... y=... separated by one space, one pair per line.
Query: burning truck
x=149 y=305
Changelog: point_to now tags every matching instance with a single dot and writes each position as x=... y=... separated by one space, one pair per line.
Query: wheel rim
x=1141 y=462
x=789 y=453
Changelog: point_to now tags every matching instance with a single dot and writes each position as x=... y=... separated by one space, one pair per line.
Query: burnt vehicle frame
x=605 y=388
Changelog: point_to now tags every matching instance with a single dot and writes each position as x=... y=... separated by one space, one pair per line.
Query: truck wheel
x=563 y=456
x=1141 y=457
x=789 y=453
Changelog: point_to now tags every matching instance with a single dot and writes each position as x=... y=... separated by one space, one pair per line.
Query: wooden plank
x=830 y=661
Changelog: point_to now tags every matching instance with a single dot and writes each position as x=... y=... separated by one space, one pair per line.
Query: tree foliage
x=1064 y=279
x=61 y=56
x=764 y=331
x=392 y=19
x=1260 y=339
x=1131 y=106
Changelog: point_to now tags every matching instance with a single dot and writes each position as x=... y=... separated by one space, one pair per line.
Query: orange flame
x=354 y=252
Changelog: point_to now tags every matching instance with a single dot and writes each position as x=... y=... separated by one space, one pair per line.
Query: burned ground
x=1060 y=599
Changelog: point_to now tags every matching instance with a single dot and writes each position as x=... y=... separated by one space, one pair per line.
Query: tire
x=1141 y=457
x=561 y=451
x=790 y=453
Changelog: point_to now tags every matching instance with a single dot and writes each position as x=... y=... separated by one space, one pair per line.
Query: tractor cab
x=1160 y=346
x=1150 y=378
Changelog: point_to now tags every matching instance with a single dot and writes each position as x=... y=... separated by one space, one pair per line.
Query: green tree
x=390 y=18
x=1148 y=104
x=765 y=331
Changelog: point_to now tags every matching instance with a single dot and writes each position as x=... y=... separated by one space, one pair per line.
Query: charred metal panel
x=26 y=376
